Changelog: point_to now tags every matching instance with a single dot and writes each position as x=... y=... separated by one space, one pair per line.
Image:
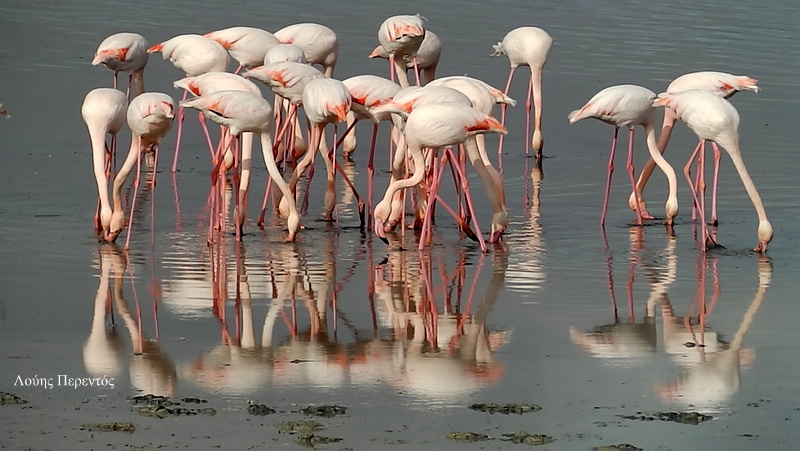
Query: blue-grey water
x=593 y=330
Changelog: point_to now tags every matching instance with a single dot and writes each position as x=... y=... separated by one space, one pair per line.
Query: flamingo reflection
x=629 y=339
x=710 y=375
x=308 y=337
x=151 y=371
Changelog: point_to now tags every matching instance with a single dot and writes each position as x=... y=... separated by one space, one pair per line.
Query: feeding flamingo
x=527 y=46
x=629 y=106
x=246 y=45
x=194 y=55
x=318 y=42
x=247 y=112
x=103 y=111
x=401 y=36
x=712 y=118
x=430 y=50
x=719 y=83
x=433 y=126
x=149 y=116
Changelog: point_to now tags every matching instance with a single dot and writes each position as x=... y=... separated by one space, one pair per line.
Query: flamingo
x=405 y=101
x=483 y=101
x=527 y=46
x=284 y=52
x=224 y=81
x=103 y=110
x=719 y=83
x=401 y=37
x=247 y=112
x=433 y=126
x=149 y=116
x=367 y=92
x=318 y=42
x=247 y=45
x=325 y=101
x=629 y=106
x=124 y=52
x=4 y=111
x=194 y=55
x=712 y=118
x=430 y=50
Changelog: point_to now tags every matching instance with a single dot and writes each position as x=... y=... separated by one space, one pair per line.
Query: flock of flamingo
x=450 y=113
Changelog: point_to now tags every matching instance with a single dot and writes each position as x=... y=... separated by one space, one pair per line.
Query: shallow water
x=405 y=339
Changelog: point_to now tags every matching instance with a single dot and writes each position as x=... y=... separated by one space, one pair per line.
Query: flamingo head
x=764 y=236
x=381 y=212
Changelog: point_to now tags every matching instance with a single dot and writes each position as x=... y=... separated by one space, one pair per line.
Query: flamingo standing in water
x=325 y=101
x=246 y=45
x=401 y=37
x=318 y=42
x=527 y=46
x=224 y=81
x=4 y=111
x=629 y=106
x=103 y=110
x=719 y=83
x=124 y=52
x=712 y=118
x=247 y=112
x=367 y=92
x=430 y=50
x=194 y=55
x=483 y=101
x=433 y=126
x=150 y=116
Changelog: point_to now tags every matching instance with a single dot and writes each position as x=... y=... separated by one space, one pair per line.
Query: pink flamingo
x=284 y=52
x=719 y=83
x=325 y=101
x=247 y=45
x=208 y=83
x=712 y=118
x=103 y=110
x=287 y=79
x=368 y=92
x=629 y=106
x=318 y=42
x=247 y=112
x=4 y=111
x=430 y=50
x=483 y=101
x=150 y=116
x=194 y=55
x=527 y=46
x=401 y=37
x=405 y=101
x=124 y=52
x=433 y=126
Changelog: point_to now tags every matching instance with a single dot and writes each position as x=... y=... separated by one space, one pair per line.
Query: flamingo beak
x=495 y=236
x=110 y=237
x=379 y=230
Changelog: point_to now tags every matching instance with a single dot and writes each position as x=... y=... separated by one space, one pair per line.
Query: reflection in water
x=150 y=369
x=426 y=331
x=629 y=340
x=528 y=273
x=710 y=365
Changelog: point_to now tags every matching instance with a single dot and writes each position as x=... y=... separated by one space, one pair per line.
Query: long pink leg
x=203 y=125
x=608 y=177
x=135 y=191
x=470 y=206
x=528 y=106
x=717 y=158
x=153 y=197
x=697 y=202
x=503 y=108
x=371 y=173
x=629 y=166
x=425 y=234
x=181 y=115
